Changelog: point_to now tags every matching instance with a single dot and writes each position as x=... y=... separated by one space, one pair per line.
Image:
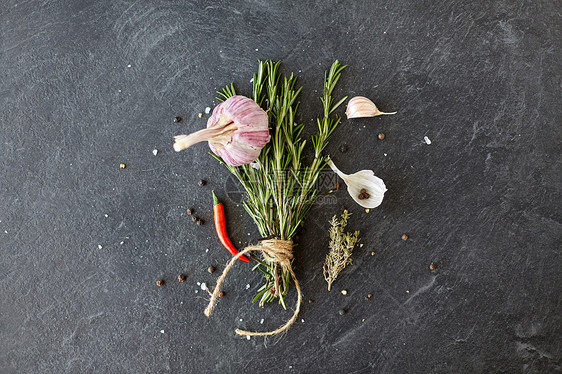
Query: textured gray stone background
x=86 y=85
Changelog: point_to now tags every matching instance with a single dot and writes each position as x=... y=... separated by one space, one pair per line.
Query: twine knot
x=275 y=251
x=279 y=251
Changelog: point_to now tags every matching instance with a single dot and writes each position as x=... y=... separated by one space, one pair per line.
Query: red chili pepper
x=220 y=226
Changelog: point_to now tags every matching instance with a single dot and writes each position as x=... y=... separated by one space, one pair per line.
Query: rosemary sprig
x=341 y=246
x=279 y=190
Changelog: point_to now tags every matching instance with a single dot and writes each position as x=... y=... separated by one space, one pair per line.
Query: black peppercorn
x=342 y=312
x=177 y=119
x=202 y=182
x=221 y=294
x=211 y=269
x=181 y=278
x=190 y=211
x=160 y=282
x=200 y=222
x=194 y=219
x=432 y=266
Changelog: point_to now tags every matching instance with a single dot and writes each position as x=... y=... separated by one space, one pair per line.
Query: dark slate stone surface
x=87 y=85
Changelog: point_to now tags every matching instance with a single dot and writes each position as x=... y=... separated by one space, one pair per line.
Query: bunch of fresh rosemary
x=280 y=190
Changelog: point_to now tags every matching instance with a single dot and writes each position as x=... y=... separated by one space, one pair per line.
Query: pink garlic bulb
x=236 y=131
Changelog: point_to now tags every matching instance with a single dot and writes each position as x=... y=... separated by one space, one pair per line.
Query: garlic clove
x=364 y=180
x=360 y=106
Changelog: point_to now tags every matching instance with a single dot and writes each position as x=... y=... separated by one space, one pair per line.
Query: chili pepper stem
x=216 y=200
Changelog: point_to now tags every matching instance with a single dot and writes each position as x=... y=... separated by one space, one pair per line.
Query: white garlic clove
x=374 y=186
x=360 y=106
x=364 y=187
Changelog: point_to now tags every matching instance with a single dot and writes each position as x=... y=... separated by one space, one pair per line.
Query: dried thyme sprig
x=341 y=246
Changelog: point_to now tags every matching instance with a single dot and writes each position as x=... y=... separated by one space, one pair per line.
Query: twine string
x=275 y=251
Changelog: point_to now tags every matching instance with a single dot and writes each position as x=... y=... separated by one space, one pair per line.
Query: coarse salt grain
x=207 y=110
x=161 y=331
x=427 y=140
x=203 y=286
x=99 y=245
x=247 y=286
x=261 y=322
x=154 y=152
x=248 y=337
